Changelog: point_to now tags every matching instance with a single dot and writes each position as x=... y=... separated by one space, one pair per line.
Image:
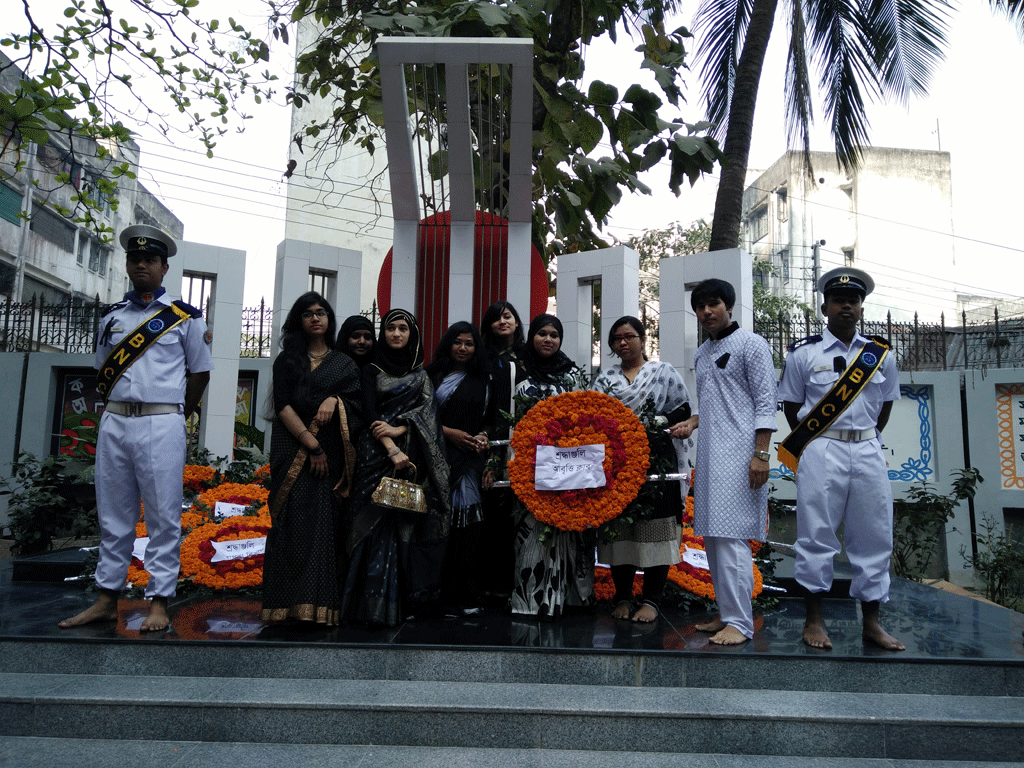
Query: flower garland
x=572 y=419
x=234 y=493
x=262 y=476
x=604 y=587
x=197 y=478
x=197 y=553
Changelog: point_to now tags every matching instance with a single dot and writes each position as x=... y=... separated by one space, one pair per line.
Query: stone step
x=884 y=673
x=518 y=716
x=36 y=752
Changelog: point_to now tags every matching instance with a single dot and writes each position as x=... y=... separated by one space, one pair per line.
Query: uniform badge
x=148 y=295
x=869 y=358
x=209 y=337
x=155 y=325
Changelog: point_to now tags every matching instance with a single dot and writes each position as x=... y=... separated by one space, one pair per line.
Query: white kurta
x=736 y=396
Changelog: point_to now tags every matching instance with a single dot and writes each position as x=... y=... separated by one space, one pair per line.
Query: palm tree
x=884 y=48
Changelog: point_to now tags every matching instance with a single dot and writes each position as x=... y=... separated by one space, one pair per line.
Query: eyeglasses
x=320 y=314
x=625 y=337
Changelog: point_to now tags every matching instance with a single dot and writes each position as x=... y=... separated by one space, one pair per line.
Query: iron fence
x=917 y=346
x=36 y=326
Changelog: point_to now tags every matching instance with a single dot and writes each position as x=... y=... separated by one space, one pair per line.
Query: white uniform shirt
x=158 y=375
x=809 y=374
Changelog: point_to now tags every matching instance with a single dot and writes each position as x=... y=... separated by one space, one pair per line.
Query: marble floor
x=933 y=624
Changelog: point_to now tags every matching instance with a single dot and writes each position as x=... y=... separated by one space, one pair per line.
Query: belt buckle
x=135 y=409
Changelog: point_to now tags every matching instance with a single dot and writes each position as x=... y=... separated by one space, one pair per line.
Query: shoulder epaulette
x=106 y=309
x=800 y=342
x=192 y=311
x=881 y=340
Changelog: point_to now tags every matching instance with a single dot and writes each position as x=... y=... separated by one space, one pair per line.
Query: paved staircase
x=72 y=702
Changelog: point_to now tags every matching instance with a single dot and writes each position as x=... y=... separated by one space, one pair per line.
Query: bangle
x=318 y=451
x=302 y=433
x=394 y=452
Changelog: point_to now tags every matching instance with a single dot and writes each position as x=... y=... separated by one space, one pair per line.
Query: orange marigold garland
x=197 y=478
x=197 y=553
x=572 y=419
x=262 y=476
x=232 y=493
x=604 y=587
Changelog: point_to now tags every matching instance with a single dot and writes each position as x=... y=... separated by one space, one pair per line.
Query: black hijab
x=545 y=370
x=351 y=325
x=398 y=362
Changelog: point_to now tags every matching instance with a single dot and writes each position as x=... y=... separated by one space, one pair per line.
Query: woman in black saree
x=394 y=557
x=316 y=390
x=466 y=407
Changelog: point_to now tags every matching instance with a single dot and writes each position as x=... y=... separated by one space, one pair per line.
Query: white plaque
x=237 y=549
x=698 y=558
x=567 y=469
x=223 y=509
x=139 y=548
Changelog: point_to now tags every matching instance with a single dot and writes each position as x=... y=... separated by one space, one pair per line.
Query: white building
x=893 y=218
x=49 y=255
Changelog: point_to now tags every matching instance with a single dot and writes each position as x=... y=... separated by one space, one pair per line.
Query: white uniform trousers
x=732 y=574
x=140 y=458
x=839 y=482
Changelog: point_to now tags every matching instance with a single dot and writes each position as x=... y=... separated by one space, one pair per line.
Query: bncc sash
x=850 y=384
x=134 y=344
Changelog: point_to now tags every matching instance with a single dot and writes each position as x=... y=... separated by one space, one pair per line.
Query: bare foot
x=728 y=636
x=157 y=619
x=712 y=626
x=875 y=634
x=622 y=610
x=104 y=609
x=815 y=635
x=645 y=614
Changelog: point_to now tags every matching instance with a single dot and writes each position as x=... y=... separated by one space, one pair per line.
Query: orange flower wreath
x=197 y=552
x=569 y=420
x=233 y=493
x=604 y=587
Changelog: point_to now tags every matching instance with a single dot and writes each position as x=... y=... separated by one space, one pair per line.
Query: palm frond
x=838 y=50
x=799 y=100
x=906 y=40
x=1013 y=10
x=720 y=27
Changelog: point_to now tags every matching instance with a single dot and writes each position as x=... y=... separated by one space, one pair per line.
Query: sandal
x=653 y=619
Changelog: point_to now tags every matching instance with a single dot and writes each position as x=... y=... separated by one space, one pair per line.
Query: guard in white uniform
x=154 y=360
x=842 y=475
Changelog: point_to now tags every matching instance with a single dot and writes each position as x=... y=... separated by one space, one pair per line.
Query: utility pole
x=816 y=250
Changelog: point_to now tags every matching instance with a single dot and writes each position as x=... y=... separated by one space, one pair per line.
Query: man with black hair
x=837 y=390
x=736 y=395
x=154 y=364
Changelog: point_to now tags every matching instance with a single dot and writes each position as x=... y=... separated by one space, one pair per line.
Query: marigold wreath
x=572 y=419
x=233 y=493
x=697 y=581
x=604 y=586
x=197 y=553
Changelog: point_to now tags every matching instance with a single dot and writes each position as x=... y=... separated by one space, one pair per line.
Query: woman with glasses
x=316 y=399
x=651 y=542
x=394 y=557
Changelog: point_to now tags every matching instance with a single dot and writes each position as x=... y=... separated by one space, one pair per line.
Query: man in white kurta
x=736 y=397
x=842 y=477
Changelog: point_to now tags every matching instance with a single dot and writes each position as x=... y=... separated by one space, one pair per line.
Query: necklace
x=321 y=356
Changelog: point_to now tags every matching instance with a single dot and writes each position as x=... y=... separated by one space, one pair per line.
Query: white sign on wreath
x=568 y=469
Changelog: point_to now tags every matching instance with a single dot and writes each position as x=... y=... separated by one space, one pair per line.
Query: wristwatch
x=762 y=455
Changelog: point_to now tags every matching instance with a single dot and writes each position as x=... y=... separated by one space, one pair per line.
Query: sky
x=236 y=199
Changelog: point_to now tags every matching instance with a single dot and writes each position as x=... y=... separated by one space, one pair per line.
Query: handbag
x=394 y=493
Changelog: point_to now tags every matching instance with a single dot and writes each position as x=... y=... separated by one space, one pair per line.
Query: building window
x=848 y=257
x=10 y=204
x=83 y=249
x=782 y=205
x=196 y=290
x=320 y=282
x=784 y=263
x=50 y=226
x=759 y=224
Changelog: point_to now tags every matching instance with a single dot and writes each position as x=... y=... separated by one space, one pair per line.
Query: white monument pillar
x=618 y=272
x=679 y=330
x=226 y=268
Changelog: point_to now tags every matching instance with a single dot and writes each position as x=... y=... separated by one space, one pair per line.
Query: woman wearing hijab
x=558 y=572
x=355 y=339
x=316 y=393
x=394 y=557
